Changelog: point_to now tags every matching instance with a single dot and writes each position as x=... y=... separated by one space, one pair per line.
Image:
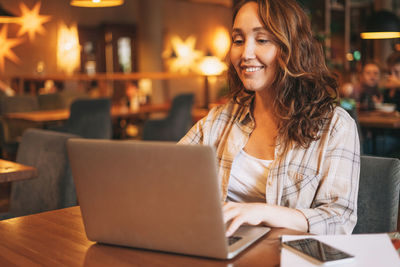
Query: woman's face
x=253 y=53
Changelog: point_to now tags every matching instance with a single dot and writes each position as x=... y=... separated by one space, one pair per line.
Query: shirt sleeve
x=194 y=135
x=334 y=209
x=206 y=129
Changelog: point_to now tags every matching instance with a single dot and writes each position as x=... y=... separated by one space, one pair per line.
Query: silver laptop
x=154 y=195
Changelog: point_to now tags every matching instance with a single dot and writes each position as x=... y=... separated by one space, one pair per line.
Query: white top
x=321 y=180
x=248 y=178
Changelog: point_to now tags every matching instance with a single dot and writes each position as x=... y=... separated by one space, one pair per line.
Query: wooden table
x=378 y=123
x=379 y=119
x=117 y=112
x=51 y=116
x=12 y=171
x=57 y=238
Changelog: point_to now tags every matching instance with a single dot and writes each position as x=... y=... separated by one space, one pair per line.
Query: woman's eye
x=263 y=41
x=237 y=40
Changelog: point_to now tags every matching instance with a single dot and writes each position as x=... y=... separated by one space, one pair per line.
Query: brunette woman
x=287 y=155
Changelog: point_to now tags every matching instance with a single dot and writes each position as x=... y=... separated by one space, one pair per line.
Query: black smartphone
x=317 y=251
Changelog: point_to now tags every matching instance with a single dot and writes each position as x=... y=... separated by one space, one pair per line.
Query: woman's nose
x=249 y=50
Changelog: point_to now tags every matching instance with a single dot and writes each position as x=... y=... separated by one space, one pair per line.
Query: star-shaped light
x=186 y=55
x=5 y=47
x=31 y=22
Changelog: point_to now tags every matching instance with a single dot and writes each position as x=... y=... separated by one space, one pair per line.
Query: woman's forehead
x=248 y=17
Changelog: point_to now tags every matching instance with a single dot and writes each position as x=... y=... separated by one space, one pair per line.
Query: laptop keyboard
x=233 y=239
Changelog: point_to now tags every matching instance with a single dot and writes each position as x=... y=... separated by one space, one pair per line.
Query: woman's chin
x=253 y=87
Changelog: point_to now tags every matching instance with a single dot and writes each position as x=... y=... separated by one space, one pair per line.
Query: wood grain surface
x=58 y=238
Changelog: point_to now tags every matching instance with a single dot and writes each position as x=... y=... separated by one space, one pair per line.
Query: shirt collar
x=247 y=101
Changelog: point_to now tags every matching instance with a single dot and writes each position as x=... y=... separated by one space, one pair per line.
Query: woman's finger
x=234 y=225
x=230 y=213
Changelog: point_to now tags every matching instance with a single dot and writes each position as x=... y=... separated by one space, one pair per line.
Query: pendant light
x=96 y=3
x=382 y=25
x=7 y=17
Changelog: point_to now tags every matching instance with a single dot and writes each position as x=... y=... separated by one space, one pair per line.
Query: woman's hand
x=261 y=213
x=243 y=213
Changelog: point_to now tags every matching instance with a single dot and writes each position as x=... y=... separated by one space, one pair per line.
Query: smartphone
x=317 y=251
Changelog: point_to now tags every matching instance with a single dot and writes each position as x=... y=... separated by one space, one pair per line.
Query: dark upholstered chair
x=175 y=125
x=19 y=103
x=378 y=196
x=354 y=115
x=69 y=96
x=53 y=188
x=89 y=118
x=11 y=131
x=51 y=101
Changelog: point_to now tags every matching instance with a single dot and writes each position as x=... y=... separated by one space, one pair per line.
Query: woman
x=287 y=156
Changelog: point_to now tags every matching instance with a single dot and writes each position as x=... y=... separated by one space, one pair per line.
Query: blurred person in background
x=49 y=87
x=391 y=94
x=389 y=141
x=346 y=93
x=367 y=92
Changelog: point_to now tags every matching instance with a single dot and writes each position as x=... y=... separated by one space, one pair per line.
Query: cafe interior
x=148 y=70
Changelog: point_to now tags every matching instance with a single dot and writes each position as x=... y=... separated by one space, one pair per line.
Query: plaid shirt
x=320 y=181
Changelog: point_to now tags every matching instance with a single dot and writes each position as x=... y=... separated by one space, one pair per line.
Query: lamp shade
x=382 y=25
x=7 y=17
x=96 y=3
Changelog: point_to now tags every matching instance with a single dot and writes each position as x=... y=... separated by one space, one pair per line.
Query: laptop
x=154 y=195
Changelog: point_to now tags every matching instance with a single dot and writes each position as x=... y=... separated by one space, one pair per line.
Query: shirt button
x=269 y=183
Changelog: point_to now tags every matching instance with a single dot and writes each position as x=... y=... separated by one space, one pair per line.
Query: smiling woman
x=253 y=53
x=288 y=157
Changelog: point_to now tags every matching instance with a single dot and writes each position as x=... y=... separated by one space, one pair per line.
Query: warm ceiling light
x=382 y=25
x=380 y=35
x=7 y=17
x=96 y=3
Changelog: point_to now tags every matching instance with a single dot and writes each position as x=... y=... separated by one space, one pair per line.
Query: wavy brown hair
x=304 y=90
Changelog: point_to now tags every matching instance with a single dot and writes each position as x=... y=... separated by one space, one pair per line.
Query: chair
x=53 y=188
x=89 y=118
x=51 y=101
x=378 y=195
x=69 y=96
x=19 y=103
x=175 y=125
x=11 y=131
x=354 y=115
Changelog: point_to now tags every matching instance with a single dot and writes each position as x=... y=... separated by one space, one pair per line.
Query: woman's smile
x=251 y=69
x=253 y=53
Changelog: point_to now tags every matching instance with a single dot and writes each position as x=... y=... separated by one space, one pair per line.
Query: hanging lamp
x=382 y=25
x=96 y=3
x=7 y=17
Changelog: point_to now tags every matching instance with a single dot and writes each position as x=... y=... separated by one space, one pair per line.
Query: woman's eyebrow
x=256 y=29
x=259 y=29
x=236 y=30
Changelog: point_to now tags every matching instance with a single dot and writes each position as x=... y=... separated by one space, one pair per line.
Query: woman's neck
x=262 y=141
x=263 y=105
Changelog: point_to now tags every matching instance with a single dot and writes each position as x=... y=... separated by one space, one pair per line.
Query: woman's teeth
x=252 y=69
